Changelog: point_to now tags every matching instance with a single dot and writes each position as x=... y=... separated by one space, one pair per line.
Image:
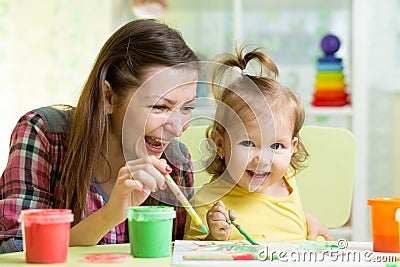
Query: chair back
x=195 y=139
x=326 y=184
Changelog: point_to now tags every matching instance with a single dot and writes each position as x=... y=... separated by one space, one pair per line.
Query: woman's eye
x=187 y=110
x=160 y=108
x=247 y=143
x=276 y=146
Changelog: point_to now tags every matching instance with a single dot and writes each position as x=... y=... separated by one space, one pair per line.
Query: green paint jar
x=150 y=231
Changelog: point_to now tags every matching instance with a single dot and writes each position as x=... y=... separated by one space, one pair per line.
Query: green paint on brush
x=244 y=233
x=204 y=229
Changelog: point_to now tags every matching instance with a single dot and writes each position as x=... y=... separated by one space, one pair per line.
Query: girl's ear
x=108 y=96
x=295 y=141
x=218 y=140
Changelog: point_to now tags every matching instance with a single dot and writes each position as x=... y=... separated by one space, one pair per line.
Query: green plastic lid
x=147 y=213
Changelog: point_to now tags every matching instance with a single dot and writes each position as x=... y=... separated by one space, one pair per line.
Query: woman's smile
x=155 y=145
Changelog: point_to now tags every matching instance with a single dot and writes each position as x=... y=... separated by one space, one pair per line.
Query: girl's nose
x=264 y=157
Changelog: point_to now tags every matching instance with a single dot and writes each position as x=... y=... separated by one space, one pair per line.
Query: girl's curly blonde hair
x=278 y=99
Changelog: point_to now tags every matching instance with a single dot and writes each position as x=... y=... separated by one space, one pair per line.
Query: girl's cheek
x=237 y=164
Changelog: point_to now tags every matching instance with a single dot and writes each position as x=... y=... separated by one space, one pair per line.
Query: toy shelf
x=345 y=111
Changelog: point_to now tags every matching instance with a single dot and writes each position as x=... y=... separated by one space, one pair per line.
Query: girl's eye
x=247 y=143
x=276 y=146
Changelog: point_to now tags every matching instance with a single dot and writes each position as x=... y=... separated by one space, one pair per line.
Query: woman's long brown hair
x=122 y=62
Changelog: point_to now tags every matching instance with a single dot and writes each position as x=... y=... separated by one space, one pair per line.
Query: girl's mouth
x=258 y=175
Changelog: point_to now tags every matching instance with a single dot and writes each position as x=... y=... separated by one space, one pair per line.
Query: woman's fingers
x=135 y=184
x=161 y=167
x=138 y=178
x=148 y=172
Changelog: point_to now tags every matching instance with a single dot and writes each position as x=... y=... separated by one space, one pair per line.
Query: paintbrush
x=185 y=203
x=221 y=256
x=244 y=233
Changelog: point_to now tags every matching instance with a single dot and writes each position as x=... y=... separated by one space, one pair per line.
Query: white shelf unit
x=330 y=116
x=346 y=111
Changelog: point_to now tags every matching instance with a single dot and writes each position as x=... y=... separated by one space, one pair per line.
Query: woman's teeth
x=158 y=140
x=154 y=141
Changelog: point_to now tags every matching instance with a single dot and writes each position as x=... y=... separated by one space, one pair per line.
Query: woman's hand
x=315 y=228
x=133 y=185
x=218 y=220
x=135 y=181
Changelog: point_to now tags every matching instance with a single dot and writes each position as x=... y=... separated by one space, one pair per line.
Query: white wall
x=47 y=48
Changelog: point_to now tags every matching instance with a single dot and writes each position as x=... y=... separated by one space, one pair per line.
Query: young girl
x=75 y=157
x=258 y=152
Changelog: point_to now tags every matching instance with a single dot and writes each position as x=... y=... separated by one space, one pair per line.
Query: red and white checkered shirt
x=30 y=179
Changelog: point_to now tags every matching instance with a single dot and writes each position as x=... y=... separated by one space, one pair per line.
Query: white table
x=76 y=255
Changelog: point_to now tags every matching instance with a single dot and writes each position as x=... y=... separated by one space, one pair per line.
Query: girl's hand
x=219 y=222
x=315 y=228
x=135 y=181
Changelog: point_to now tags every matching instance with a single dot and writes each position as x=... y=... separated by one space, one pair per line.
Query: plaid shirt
x=36 y=158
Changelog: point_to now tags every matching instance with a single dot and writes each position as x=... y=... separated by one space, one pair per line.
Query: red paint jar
x=46 y=234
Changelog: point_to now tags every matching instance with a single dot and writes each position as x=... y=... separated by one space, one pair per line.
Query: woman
x=74 y=158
